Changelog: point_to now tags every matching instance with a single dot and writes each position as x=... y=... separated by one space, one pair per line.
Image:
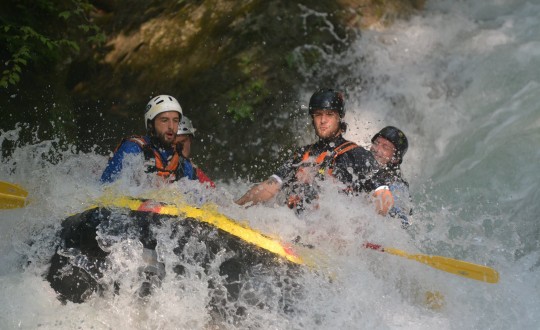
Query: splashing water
x=462 y=80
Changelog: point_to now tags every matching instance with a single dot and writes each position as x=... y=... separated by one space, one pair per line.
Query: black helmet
x=398 y=139
x=327 y=99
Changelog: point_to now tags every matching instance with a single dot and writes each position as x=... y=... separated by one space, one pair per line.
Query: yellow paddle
x=449 y=265
x=12 y=196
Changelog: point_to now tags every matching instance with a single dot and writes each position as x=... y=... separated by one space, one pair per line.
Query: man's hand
x=384 y=200
x=262 y=192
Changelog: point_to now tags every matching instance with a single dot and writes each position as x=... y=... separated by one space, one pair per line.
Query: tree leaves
x=22 y=44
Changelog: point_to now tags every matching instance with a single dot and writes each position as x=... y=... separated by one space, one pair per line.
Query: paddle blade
x=461 y=268
x=449 y=265
x=12 y=196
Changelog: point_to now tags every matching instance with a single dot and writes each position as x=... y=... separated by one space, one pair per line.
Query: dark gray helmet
x=398 y=139
x=327 y=99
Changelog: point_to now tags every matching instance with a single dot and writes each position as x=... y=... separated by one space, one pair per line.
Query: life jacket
x=172 y=172
x=325 y=161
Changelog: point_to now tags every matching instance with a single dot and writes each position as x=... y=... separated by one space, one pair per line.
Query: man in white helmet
x=184 y=138
x=162 y=116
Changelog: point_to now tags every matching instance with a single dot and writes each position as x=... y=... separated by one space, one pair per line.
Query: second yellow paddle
x=449 y=265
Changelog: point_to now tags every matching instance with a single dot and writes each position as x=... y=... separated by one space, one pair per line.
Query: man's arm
x=394 y=200
x=114 y=166
x=402 y=207
x=203 y=178
x=261 y=192
x=266 y=190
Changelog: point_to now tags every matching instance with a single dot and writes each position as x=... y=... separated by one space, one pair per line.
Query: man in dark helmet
x=330 y=156
x=391 y=191
x=389 y=146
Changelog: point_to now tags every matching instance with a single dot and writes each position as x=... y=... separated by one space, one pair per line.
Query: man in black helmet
x=391 y=191
x=330 y=156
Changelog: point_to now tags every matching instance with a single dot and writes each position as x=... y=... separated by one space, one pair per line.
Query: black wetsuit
x=352 y=167
x=391 y=178
x=386 y=176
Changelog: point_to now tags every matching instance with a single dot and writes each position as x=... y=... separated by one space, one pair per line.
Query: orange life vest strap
x=171 y=167
x=163 y=171
x=344 y=148
x=339 y=150
x=294 y=200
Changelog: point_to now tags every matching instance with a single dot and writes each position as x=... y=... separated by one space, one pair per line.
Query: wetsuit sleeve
x=399 y=188
x=402 y=208
x=286 y=171
x=189 y=169
x=114 y=167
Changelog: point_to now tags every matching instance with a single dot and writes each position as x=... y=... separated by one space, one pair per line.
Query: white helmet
x=159 y=104
x=185 y=127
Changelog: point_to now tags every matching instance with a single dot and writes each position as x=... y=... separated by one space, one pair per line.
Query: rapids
x=462 y=80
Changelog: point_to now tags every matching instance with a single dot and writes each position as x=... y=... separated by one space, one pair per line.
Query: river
x=462 y=80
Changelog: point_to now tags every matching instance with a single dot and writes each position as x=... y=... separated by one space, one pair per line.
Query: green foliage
x=39 y=33
x=243 y=97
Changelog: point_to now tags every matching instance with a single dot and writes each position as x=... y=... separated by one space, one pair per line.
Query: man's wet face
x=166 y=126
x=383 y=150
x=326 y=123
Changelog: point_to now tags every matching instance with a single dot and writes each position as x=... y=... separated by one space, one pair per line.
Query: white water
x=463 y=81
